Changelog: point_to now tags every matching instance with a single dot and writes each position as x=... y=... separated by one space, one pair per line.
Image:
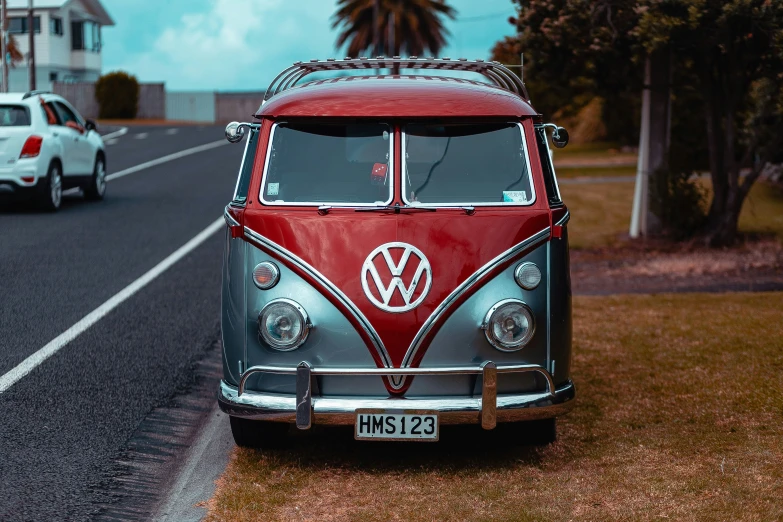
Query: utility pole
x=376 y=28
x=4 y=46
x=31 y=54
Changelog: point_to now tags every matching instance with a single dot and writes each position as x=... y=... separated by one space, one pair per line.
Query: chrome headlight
x=527 y=275
x=266 y=275
x=509 y=325
x=283 y=325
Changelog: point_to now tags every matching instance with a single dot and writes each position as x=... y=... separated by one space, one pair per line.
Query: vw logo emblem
x=410 y=255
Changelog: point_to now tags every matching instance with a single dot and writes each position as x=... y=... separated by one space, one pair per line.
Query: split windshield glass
x=329 y=163
x=466 y=164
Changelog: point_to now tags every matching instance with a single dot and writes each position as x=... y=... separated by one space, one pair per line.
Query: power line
x=484 y=17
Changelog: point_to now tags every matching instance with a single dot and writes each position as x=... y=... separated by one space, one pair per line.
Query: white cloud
x=235 y=45
x=243 y=44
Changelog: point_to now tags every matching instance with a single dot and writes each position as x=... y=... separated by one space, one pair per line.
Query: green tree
x=730 y=50
x=117 y=94
x=417 y=26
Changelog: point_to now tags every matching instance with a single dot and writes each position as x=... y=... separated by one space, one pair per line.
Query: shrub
x=117 y=94
x=678 y=201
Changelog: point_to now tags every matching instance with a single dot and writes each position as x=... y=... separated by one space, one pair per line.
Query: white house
x=67 y=41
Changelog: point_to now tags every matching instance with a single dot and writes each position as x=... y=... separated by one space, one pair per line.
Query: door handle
x=56 y=134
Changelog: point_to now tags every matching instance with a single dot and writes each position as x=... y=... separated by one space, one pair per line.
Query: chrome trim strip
x=446 y=370
x=260 y=240
x=565 y=219
x=466 y=285
x=342 y=410
x=230 y=221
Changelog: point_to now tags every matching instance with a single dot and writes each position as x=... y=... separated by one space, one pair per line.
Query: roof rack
x=499 y=74
x=35 y=93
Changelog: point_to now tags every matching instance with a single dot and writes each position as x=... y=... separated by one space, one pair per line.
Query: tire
x=258 y=434
x=96 y=189
x=51 y=195
x=535 y=433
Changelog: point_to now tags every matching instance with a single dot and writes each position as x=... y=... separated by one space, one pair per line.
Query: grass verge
x=679 y=416
x=601 y=212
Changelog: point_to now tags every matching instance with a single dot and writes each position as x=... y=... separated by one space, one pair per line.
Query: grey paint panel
x=332 y=342
x=233 y=309
x=561 y=325
x=461 y=342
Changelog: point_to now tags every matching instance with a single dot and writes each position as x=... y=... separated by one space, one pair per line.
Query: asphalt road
x=64 y=425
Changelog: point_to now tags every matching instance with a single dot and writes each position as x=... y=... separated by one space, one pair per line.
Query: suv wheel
x=96 y=189
x=51 y=195
x=258 y=434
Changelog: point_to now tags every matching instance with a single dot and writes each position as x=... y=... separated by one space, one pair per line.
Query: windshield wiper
x=397 y=209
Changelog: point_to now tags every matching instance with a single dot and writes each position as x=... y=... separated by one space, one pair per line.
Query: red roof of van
x=396 y=96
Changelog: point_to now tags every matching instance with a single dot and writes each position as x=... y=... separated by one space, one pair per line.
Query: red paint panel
x=396 y=97
x=455 y=244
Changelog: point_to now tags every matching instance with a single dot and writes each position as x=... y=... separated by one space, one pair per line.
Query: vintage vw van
x=396 y=256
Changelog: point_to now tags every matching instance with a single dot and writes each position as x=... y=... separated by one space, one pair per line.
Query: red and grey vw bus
x=396 y=255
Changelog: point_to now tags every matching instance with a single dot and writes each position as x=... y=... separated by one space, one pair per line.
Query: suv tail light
x=32 y=147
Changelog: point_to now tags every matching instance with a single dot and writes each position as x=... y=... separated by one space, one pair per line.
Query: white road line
x=164 y=159
x=171 y=132
x=115 y=134
x=141 y=135
x=155 y=162
x=29 y=364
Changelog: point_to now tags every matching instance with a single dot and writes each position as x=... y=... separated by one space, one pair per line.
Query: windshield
x=14 y=116
x=466 y=164
x=339 y=163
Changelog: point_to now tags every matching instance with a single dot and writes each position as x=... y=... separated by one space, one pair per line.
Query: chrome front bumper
x=487 y=409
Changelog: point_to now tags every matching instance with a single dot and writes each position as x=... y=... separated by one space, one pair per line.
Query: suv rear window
x=466 y=164
x=329 y=163
x=14 y=116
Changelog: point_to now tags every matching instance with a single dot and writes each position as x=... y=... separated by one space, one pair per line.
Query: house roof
x=396 y=96
x=94 y=7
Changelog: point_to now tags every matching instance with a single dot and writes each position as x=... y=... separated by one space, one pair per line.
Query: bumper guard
x=487 y=410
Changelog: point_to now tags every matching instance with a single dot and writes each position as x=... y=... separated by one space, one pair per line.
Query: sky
x=240 y=45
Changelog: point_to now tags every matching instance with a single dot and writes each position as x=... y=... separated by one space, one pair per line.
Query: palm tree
x=417 y=26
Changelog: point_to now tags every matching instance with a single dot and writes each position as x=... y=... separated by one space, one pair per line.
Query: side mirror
x=560 y=137
x=235 y=132
x=90 y=125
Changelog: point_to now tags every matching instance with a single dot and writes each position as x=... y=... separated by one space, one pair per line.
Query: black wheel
x=51 y=195
x=258 y=434
x=536 y=433
x=96 y=189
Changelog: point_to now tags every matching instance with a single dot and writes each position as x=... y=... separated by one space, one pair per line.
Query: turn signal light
x=32 y=147
x=266 y=275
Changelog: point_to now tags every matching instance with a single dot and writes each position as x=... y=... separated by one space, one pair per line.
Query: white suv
x=45 y=147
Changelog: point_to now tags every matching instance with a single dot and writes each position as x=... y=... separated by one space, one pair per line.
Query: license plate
x=396 y=425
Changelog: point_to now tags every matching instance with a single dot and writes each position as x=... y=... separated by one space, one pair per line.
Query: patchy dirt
x=755 y=266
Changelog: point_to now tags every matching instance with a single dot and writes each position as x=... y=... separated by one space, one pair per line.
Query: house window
x=85 y=36
x=52 y=76
x=19 y=24
x=56 y=25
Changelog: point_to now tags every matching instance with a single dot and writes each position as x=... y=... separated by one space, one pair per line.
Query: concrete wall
x=236 y=106
x=190 y=106
x=156 y=103
x=152 y=99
